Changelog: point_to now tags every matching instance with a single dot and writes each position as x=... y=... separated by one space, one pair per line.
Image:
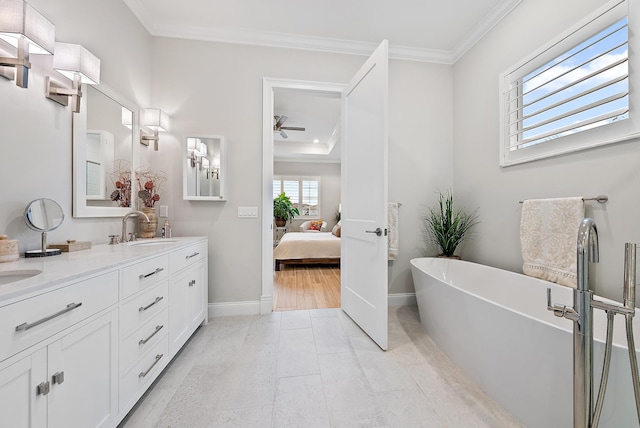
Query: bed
x=307 y=248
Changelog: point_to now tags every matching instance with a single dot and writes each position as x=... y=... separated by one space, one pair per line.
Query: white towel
x=548 y=238
x=392 y=221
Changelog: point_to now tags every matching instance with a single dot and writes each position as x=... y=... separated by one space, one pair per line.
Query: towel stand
x=601 y=199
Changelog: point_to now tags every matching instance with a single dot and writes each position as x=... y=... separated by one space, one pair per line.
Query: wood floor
x=298 y=287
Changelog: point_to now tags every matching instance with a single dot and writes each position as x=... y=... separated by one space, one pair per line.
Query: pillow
x=338 y=231
x=335 y=228
x=315 y=225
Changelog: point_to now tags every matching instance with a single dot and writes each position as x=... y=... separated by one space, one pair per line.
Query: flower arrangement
x=121 y=179
x=149 y=184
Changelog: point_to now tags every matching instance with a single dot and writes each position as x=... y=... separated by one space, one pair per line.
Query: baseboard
x=264 y=305
x=234 y=308
x=402 y=299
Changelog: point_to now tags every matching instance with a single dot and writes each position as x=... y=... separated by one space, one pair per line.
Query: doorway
x=302 y=279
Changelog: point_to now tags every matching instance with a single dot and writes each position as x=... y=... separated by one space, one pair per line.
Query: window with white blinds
x=573 y=94
x=304 y=193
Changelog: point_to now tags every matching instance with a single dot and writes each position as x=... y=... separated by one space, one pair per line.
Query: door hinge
x=43 y=388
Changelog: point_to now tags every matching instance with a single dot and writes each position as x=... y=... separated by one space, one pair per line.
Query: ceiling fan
x=277 y=127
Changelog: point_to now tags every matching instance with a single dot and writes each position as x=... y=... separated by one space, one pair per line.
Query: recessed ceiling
x=427 y=30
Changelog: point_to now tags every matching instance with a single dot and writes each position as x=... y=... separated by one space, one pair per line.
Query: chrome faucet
x=584 y=414
x=133 y=213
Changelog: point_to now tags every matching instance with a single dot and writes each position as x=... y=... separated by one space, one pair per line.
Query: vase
x=148 y=229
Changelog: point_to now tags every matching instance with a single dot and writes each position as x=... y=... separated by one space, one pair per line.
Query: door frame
x=269 y=87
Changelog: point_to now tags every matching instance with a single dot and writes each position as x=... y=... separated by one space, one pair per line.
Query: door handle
x=378 y=231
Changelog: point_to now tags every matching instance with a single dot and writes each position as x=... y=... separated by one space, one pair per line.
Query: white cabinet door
x=20 y=405
x=83 y=371
x=179 y=317
x=197 y=304
x=187 y=304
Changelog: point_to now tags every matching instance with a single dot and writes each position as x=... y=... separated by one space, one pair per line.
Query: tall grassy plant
x=447 y=227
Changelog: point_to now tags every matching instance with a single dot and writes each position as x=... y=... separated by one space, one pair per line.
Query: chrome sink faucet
x=133 y=213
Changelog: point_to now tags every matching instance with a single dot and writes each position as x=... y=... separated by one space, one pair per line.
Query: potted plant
x=283 y=210
x=447 y=227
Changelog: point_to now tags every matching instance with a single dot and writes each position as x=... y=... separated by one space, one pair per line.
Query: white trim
x=403 y=299
x=268 y=87
x=233 y=308
x=497 y=14
x=322 y=44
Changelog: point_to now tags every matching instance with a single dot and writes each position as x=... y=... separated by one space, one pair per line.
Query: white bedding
x=299 y=245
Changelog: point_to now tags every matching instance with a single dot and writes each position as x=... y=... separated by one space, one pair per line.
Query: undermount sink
x=10 y=276
x=152 y=242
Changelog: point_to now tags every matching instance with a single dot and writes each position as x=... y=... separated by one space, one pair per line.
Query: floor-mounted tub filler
x=493 y=324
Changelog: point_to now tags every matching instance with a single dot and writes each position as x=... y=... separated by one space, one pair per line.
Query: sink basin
x=151 y=242
x=17 y=275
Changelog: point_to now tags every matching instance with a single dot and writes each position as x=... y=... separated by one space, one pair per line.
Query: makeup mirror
x=43 y=215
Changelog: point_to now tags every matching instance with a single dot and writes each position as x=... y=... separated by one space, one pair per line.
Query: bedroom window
x=571 y=95
x=304 y=193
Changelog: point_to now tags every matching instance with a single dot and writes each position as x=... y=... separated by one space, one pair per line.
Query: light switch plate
x=164 y=211
x=248 y=212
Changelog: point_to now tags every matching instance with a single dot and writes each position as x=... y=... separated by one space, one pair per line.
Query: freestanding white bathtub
x=495 y=326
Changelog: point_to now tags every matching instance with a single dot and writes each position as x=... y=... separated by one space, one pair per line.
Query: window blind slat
x=589 y=121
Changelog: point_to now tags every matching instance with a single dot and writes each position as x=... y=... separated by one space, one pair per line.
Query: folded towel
x=548 y=238
x=392 y=221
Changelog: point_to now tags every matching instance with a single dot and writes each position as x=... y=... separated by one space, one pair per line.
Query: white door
x=364 y=197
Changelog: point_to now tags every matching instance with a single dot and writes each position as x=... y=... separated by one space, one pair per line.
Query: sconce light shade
x=70 y=59
x=18 y=19
x=26 y=29
x=156 y=120
x=193 y=144
x=79 y=65
x=127 y=118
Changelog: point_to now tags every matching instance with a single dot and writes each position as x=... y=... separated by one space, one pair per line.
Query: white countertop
x=58 y=270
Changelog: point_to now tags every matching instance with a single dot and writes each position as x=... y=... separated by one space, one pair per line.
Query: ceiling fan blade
x=283 y=134
x=280 y=120
x=292 y=128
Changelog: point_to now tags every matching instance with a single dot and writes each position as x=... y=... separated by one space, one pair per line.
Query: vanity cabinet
x=187 y=293
x=82 y=354
x=75 y=368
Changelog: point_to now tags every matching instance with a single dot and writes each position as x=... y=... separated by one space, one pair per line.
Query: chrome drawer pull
x=43 y=389
x=143 y=341
x=57 y=378
x=144 y=308
x=193 y=255
x=146 y=372
x=192 y=283
x=143 y=276
x=26 y=326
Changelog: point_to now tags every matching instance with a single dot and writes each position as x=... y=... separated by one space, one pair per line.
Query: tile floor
x=313 y=369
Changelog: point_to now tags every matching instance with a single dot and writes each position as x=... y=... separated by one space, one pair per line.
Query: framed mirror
x=204 y=160
x=105 y=155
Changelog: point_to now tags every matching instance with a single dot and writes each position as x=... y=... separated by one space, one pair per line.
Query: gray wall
x=480 y=182
x=35 y=133
x=222 y=94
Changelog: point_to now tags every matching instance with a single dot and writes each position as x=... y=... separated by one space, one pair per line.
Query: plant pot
x=280 y=222
x=148 y=230
x=442 y=256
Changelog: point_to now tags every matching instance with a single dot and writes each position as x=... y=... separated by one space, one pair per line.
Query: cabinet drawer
x=143 y=373
x=142 y=339
x=143 y=307
x=144 y=274
x=187 y=256
x=27 y=322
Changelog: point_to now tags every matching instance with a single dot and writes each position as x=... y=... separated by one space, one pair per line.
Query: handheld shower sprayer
x=629 y=292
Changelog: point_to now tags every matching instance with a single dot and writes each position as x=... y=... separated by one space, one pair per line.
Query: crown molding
x=497 y=14
x=320 y=44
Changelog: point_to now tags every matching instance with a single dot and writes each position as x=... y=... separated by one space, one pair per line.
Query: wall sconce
x=156 y=120
x=215 y=169
x=77 y=64
x=193 y=148
x=28 y=31
x=204 y=164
